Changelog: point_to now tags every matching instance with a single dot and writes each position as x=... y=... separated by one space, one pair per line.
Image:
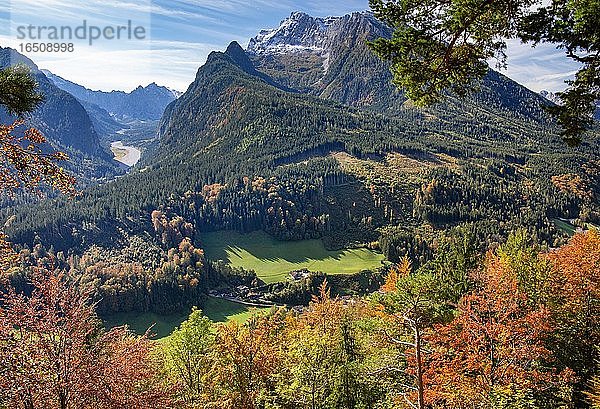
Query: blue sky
x=181 y=33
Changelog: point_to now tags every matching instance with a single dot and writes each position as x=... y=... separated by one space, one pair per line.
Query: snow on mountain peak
x=298 y=33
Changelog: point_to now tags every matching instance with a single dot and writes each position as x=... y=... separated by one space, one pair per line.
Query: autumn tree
x=575 y=281
x=323 y=354
x=444 y=45
x=55 y=354
x=245 y=358
x=26 y=161
x=494 y=353
x=411 y=306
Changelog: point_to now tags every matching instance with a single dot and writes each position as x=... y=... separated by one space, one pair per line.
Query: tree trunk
x=420 y=391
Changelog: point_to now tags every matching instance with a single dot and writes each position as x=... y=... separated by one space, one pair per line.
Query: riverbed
x=127 y=155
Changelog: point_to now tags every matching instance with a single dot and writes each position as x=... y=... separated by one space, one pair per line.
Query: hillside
x=65 y=123
x=241 y=151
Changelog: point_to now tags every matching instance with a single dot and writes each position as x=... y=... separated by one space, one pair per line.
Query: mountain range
x=83 y=123
x=303 y=136
x=142 y=103
x=65 y=123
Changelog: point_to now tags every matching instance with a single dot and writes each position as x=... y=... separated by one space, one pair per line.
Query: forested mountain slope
x=240 y=150
x=65 y=123
x=251 y=129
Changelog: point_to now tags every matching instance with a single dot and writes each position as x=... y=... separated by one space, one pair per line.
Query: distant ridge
x=143 y=103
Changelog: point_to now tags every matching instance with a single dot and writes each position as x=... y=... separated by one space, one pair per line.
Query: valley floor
x=218 y=310
x=272 y=260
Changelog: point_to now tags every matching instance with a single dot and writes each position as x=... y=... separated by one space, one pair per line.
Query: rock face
x=142 y=103
x=309 y=53
x=300 y=32
x=303 y=33
x=330 y=58
x=550 y=96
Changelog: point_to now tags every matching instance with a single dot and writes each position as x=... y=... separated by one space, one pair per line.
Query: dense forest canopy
x=488 y=297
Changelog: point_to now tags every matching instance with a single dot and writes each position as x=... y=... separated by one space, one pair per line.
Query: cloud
x=543 y=67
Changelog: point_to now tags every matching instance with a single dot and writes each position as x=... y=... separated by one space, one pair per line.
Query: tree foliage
x=26 y=160
x=18 y=92
x=444 y=45
x=55 y=354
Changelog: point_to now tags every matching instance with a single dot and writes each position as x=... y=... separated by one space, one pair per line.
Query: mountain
x=329 y=58
x=142 y=103
x=61 y=117
x=552 y=97
x=65 y=123
x=304 y=52
x=104 y=123
x=331 y=153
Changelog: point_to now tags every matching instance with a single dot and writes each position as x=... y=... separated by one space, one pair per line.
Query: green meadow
x=218 y=310
x=273 y=259
x=564 y=226
x=570 y=229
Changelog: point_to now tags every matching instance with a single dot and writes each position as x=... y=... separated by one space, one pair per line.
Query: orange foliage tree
x=575 y=280
x=495 y=350
x=245 y=359
x=26 y=164
x=55 y=354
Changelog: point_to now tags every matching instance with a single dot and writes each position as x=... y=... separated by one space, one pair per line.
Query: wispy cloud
x=543 y=67
x=181 y=34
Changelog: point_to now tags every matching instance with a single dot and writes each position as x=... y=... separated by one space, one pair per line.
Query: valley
x=273 y=260
x=293 y=231
x=218 y=310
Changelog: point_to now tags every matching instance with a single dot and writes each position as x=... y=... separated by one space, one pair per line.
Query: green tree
x=24 y=163
x=456 y=258
x=187 y=354
x=18 y=90
x=444 y=45
x=412 y=305
x=323 y=352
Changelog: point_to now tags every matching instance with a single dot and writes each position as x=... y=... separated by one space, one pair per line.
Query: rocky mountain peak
x=301 y=32
x=551 y=96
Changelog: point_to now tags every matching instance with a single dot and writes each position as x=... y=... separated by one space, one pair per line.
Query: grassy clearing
x=564 y=226
x=217 y=310
x=139 y=322
x=570 y=229
x=273 y=259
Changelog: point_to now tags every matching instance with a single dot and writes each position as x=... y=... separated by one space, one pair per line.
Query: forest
x=483 y=286
x=300 y=167
x=514 y=329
